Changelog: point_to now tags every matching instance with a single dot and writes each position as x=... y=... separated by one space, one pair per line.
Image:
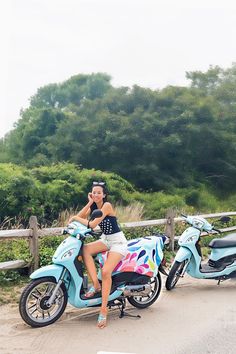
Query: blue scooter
x=222 y=261
x=136 y=278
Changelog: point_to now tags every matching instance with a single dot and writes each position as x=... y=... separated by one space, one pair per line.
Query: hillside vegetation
x=173 y=147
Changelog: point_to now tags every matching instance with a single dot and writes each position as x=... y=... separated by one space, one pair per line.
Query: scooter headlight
x=68 y=254
x=198 y=223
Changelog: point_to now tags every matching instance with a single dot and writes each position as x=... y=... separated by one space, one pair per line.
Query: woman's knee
x=106 y=273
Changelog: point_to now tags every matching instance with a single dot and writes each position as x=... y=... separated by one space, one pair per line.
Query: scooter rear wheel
x=33 y=302
x=142 y=302
x=174 y=274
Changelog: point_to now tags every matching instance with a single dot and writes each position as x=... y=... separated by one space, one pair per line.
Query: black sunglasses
x=98 y=183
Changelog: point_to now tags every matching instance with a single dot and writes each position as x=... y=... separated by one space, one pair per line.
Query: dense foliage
x=53 y=192
x=158 y=140
x=48 y=190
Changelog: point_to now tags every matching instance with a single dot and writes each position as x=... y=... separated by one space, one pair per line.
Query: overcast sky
x=151 y=43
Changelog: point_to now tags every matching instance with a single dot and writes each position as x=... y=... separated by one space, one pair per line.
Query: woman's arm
x=106 y=210
x=83 y=213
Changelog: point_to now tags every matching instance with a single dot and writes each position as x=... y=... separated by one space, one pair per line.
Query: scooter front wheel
x=142 y=302
x=33 y=302
x=174 y=274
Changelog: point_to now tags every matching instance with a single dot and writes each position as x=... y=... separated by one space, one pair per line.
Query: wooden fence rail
x=34 y=233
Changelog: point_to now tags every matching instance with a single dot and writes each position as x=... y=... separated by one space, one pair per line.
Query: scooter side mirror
x=97 y=213
x=224 y=219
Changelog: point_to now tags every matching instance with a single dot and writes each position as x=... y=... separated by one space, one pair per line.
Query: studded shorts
x=115 y=242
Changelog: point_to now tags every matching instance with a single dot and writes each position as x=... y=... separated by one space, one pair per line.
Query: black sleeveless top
x=109 y=224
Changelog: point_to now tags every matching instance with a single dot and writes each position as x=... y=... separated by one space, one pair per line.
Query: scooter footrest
x=211 y=263
x=206 y=268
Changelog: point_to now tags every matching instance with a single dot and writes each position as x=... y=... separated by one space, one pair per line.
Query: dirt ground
x=196 y=317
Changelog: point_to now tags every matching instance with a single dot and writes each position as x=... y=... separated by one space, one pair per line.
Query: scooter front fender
x=183 y=254
x=52 y=270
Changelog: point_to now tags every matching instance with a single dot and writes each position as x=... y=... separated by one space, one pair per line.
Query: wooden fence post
x=170 y=227
x=34 y=244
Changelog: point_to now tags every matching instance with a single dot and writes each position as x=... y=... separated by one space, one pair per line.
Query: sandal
x=102 y=321
x=92 y=291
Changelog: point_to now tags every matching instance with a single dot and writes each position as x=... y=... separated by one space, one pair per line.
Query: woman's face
x=98 y=194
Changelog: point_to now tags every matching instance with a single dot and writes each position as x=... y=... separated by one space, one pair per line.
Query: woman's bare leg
x=112 y=260
x=89 y=250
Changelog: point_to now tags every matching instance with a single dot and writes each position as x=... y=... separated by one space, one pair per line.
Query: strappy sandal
x=92 y=291
x=102 y=321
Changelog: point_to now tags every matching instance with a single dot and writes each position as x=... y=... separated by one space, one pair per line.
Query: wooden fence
x=34 y=233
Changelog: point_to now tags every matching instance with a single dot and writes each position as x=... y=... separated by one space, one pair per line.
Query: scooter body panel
x=183 y=254
x=52 y=270
x=64 y=252
x=218 y=253
x=196 y=273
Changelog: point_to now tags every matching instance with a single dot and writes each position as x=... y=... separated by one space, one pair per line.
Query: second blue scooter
x=222 y=261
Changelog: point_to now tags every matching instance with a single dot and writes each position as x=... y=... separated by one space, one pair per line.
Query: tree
x=157 y=139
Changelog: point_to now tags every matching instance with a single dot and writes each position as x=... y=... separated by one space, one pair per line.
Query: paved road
x=198 y=317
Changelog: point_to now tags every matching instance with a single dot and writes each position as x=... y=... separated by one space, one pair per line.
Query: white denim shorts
x=115 y=242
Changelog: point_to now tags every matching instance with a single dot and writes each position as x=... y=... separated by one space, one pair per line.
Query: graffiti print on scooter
x=221 y=264
x=136 y=278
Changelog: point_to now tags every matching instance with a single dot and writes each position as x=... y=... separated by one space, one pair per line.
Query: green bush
x=229 y=203
x=47 y=190
x=9 y=276
x=157 y=204
x=11 y=250
x=202 y=200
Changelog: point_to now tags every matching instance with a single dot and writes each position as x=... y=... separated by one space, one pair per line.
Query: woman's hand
x=90 y=198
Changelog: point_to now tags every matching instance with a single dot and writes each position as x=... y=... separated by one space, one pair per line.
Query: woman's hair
x=104 y=188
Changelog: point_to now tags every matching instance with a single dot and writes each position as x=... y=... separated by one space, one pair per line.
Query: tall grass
x=8 y=223
x=64 y=216
x=132 y=212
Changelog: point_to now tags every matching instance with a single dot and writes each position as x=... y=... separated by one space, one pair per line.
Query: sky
x=151 y=43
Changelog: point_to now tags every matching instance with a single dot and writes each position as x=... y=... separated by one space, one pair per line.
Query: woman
x=112 y=240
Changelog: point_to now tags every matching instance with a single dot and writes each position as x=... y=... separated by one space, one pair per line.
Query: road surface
x=198 y=317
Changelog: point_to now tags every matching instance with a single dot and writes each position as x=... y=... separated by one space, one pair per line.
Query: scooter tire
x=142 y=304
x=173 y=276
x=26 y=309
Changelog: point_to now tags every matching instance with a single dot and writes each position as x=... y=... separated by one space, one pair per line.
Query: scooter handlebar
x=96 y=234
x=217 y=230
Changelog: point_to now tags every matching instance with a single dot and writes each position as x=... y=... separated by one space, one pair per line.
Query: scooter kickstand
x=123 y=313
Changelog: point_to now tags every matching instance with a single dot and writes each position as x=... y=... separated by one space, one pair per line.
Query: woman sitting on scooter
x=112 y=240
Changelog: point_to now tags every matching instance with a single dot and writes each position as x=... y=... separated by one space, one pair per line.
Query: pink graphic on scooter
x=144 y=256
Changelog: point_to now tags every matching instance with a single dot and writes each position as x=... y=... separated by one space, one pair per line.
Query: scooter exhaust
x=136 y=290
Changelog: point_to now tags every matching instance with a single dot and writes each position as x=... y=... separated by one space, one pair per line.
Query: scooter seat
x=143 y=257
x=224 y=242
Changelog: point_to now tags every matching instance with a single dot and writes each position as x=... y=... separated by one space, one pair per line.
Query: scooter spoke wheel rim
x=37 y=307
